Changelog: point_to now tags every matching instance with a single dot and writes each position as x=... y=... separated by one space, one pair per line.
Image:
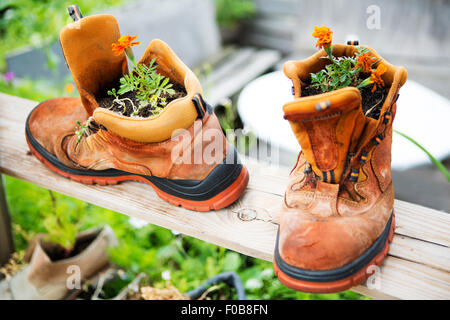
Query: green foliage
x=230 y=12
x=62 y=224
x=34 y=90
x=340 y=73
x=36 y=210
x=336 y=75
x=83 y=128
x=36 y=22
x=148 y=85
x=145 y=81
x=149 y=248
x=228 y=116
x=435 y=161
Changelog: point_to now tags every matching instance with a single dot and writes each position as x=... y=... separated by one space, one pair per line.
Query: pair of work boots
x=337 y=214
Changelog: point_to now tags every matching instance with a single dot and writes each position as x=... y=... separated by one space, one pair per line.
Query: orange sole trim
x=339 y=285
x=219 y=201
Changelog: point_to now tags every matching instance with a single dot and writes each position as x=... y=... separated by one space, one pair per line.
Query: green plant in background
x=61 y=224
x=435 y=161
x=37 y=22
x=230 y=12
x=37 y=90
x=37 y=210
x=59 y=220
x=228 y=116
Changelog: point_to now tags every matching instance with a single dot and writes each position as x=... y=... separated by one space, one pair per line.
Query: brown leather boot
x=181 y=152
x=337 y=215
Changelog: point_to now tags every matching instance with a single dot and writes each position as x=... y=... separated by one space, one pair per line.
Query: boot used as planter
x=337 y=216
x=181 y=151
x=46 y=275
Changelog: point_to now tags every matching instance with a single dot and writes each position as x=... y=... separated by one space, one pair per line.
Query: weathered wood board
x=417 y=266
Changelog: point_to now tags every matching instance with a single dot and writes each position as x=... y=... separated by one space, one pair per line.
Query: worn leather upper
x=327 y=136
x=191 y=154
x=53 y=123
x=326 y=223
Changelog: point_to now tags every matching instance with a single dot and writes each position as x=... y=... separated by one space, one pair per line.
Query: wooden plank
x=247 y=65
x=423 y=223
x=6 y=239
x=413 y=221
x=402 y=278
x=426 y=253
x=416 y=267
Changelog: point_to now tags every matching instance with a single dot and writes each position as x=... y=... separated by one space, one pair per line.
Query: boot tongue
x=86 y=44
x=328 y=127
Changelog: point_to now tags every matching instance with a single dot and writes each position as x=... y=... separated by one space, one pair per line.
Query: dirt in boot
x=107 y=102
x=371 y=101
x=57 y=252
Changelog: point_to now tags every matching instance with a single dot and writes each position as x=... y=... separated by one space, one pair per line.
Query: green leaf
x=124 y=89
x=435 y=161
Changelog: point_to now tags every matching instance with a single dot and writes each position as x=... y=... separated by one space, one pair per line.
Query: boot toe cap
x=326 y=243
x=53 y=120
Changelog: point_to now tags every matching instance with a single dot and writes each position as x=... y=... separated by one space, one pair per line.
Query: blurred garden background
x=32 y=68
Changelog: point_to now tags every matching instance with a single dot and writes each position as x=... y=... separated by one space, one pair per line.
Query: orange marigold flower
x=323 y=35
x=375 y=76
x=364 y=61
x=123 y=43
x=69 y=88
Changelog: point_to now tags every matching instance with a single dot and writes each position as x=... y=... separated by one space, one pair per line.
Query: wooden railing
x=417 y=266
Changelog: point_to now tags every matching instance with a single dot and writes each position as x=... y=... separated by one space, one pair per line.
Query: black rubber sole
x=338 y=273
